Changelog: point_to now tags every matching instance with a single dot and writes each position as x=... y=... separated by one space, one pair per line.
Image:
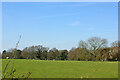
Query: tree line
x=94 y=49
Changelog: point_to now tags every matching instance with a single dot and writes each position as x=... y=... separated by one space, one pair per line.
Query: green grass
x=63 y=69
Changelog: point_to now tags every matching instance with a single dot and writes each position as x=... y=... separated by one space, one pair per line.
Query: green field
x=63 y=69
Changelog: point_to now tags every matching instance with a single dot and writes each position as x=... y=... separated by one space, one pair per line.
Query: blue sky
x=58 y=24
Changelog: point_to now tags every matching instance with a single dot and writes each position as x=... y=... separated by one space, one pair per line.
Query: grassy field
x=63 y=69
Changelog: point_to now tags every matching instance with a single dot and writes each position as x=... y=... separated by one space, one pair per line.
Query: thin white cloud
x=91 y=28
x=76 y=23
x=61 y=15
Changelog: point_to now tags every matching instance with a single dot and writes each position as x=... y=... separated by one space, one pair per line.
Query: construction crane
x=18 y=42
x=15 y=50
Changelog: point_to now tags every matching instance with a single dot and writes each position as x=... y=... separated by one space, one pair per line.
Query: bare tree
x=96 y=43
x=83 y=44
x=114 y=44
